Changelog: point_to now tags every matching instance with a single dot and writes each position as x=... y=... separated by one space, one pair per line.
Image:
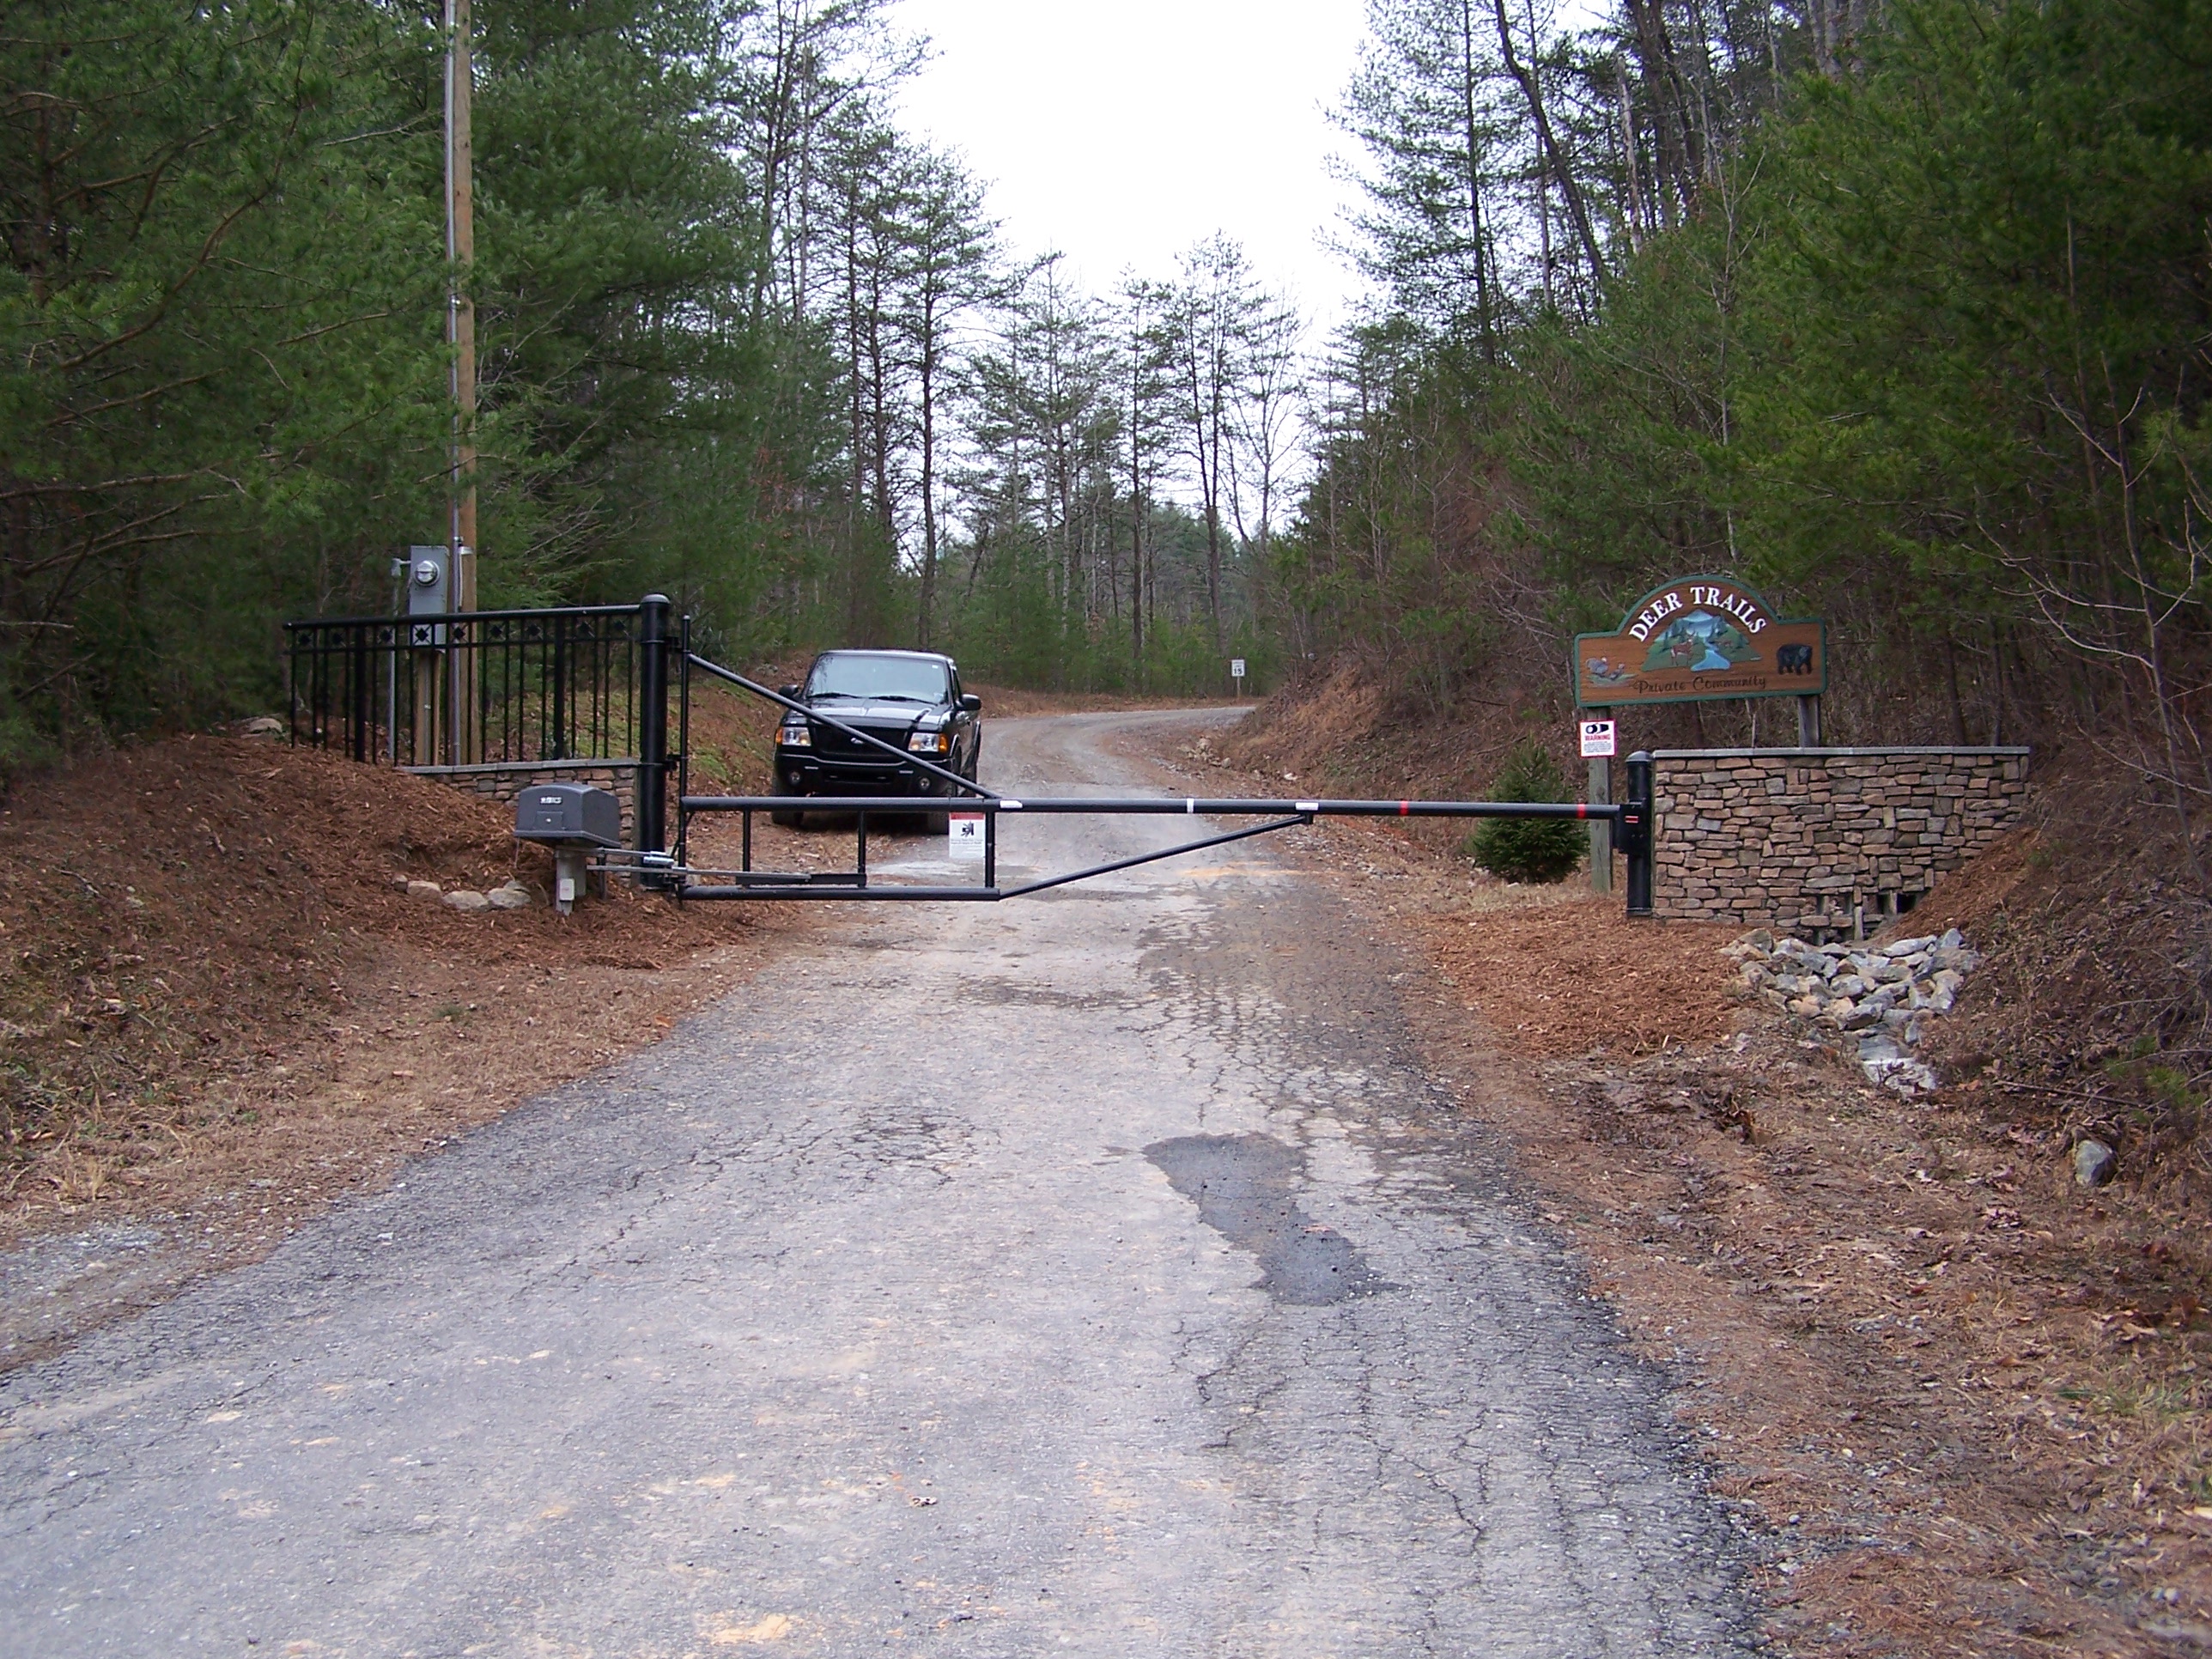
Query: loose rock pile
x=1880 y=996
x=512 y=896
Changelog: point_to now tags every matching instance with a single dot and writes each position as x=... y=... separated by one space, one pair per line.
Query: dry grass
x=1567 y=973
x=1966 y=1396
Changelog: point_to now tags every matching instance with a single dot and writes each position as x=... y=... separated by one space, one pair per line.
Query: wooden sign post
x=1599 y=740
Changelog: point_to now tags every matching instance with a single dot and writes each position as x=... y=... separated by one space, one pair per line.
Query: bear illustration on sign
x=1700 y=641
x=1793 y=659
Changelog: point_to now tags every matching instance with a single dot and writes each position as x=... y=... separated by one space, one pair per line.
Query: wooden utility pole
x=461 y=335
x=461 y=308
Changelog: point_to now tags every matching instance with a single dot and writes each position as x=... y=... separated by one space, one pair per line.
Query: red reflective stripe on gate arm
x=1405 y=809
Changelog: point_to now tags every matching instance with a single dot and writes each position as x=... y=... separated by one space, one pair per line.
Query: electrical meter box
x=568 y=814
x=428 y=579
x=428 y=575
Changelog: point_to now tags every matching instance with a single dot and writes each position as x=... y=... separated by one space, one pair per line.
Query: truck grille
x=830 y=744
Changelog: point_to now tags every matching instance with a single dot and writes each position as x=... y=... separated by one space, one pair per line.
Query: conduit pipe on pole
x=462 y=723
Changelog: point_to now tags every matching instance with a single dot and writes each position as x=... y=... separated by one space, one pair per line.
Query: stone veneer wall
x=1821 y=840
x=505 y=780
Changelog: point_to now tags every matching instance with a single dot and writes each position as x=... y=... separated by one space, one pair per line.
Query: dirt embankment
x=220 y=1008
x=1960 y=1398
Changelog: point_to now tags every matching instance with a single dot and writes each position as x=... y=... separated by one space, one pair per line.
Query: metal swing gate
x=669 y=871
x=550 y=689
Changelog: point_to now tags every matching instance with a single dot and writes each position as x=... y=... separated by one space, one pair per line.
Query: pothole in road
x=1246 y=1189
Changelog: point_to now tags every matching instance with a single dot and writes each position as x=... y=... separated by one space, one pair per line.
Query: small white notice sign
x=1598 y=739
x=963 y=835
x=1236 y=668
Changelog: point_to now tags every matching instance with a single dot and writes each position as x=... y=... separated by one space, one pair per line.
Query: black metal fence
x=473 y=688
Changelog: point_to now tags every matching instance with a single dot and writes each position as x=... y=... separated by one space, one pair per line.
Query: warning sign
x=1598 y=739
x=963 y=835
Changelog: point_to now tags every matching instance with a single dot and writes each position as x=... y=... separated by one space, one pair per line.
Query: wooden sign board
x=1698 y=638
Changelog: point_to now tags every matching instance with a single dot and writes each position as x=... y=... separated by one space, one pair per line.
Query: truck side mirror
x=971 y=702
x=787 y=691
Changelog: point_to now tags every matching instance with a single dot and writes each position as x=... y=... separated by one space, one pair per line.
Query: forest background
x=1892 y=309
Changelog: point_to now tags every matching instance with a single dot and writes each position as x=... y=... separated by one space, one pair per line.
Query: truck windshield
x=864 y=674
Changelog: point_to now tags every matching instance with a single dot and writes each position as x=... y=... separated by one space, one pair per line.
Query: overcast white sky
x=1121 y=131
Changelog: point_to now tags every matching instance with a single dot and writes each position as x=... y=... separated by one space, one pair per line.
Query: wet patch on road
x=1246 y=1189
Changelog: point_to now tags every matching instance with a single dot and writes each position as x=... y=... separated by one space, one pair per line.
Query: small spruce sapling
x=1527 y=849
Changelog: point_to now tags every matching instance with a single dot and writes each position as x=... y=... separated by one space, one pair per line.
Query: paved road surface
x=1096 y=1275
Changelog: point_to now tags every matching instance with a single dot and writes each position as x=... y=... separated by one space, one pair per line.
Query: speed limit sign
x=1598 y=742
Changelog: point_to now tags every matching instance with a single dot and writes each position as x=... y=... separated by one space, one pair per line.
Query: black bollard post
x=1635 y=830
x=652 y=721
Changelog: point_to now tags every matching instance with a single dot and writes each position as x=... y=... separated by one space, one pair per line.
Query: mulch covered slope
x=213 y=980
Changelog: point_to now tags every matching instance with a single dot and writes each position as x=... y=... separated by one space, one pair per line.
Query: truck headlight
x=795 y=737
x=929 y=742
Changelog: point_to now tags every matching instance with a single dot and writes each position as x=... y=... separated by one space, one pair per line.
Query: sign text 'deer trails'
x=1700 y=637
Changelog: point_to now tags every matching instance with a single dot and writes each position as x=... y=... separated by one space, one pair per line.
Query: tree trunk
x=927 y=368
x=1471 y=138
x=1555 y=158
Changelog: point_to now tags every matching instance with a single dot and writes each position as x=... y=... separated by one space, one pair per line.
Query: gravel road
x=1099 y=1272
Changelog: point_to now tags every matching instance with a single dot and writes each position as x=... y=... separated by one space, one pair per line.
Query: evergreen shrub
x=1528 y=849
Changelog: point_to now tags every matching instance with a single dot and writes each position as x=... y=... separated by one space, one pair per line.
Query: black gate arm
x=1161 y=806
x=1281 y=814
x=1244 y=834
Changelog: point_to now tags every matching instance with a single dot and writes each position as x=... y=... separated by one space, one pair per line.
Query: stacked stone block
x=504 y=780
x=1822 y=840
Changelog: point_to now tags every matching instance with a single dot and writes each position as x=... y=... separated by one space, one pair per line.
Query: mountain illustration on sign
x=1701 y=642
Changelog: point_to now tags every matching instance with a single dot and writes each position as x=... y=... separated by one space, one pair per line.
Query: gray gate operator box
x=568 y=814
x=575 y=820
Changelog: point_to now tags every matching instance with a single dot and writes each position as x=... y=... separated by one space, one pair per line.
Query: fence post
x=1635 y=832
x=652 y=720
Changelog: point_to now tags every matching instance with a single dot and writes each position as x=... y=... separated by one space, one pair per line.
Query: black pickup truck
x=911 y=699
